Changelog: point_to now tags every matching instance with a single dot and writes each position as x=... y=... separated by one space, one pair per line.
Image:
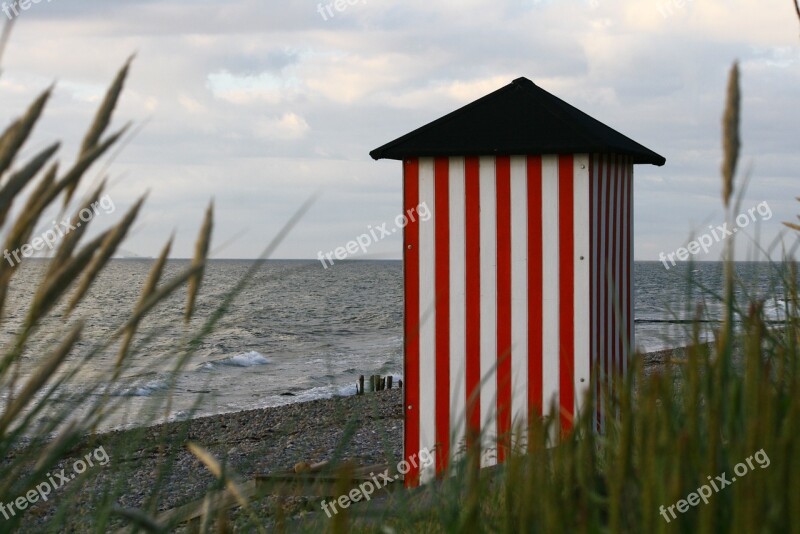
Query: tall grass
x=49 y=411
x=44 y=420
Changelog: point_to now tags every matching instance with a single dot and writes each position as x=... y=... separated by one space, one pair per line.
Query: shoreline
x=251 y=442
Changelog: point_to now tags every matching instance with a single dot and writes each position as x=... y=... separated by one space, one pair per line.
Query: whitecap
x=247 y=359
x=142 y=390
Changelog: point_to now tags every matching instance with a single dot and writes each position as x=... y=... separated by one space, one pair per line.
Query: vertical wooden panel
x=488 y=325
x=458 y=330
x=504 y=350
x=566 y=288
x=631 y=285
x=472 y=274
x=613 y=269
x=618 y=266
x=442 y=315
x=625 y=270
x=582 y=330
x=608 y=376
x=427 y=331
x=411 y=320
x=550 y=287
x=535 y=286
x=519 y=293
x=594 y=186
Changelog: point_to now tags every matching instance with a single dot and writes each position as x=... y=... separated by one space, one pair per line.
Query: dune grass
x=49 y=413
x=40 y=423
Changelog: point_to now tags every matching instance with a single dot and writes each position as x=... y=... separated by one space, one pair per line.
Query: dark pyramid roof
x=518 y=119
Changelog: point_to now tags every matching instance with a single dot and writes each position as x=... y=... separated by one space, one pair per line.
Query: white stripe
x=550 y=292
x=582 y=272
x=427 y=301
x=457 y=307
x=519 y=295
x=488 y=299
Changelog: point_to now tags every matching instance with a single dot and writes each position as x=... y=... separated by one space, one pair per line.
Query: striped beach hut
x=521 y=281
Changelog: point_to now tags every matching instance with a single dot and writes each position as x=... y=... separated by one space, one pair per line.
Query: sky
x=260 y=104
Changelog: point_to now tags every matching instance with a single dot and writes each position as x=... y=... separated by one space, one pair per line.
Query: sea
x=295 y=331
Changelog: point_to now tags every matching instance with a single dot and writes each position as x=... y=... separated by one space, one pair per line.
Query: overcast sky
x=261 y=103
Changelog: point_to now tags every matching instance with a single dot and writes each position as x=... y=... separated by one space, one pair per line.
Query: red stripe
x=598 y=280
x=412 y=315
x=618 y=263
x=566 y=245
x=606 y=273
x=624 y=270
x=503 y=172
x=535 y=286
x=612 y=210
x=614 y=286
x=593 y=305
x=629 y=261
x=472 y=274
x=620 y=259
x=442 y=255
x=621 y=266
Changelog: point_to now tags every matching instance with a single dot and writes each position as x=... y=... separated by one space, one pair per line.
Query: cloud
x=191 y=105
x=287 y=127
x=260 y=102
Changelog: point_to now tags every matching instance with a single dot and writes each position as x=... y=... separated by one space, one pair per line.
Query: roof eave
x=400 y=155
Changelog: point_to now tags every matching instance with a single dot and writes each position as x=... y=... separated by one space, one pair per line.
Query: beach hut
x=520 y=282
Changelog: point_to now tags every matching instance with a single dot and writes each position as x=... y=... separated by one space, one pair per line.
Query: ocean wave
x=775 y=309
x=142 y=390
x=247 y=359
x=315 y=393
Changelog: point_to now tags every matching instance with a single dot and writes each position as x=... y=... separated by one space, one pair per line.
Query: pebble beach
x=364 y=429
